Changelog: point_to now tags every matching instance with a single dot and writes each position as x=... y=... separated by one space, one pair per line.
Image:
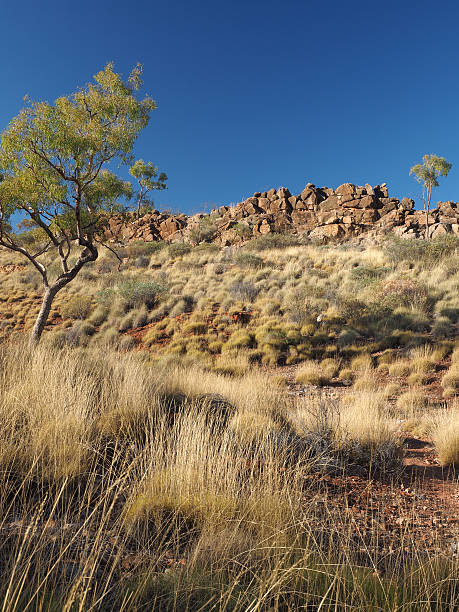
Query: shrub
x=204 y=231
x=361 y=363
x=248 y=260
x=451 y=379
x=238 y=339
x=402 y=292
x=243 y=230
x=446 y=437
x=301 y=308
x=137 y=293
x=400 y=368
x=195 y=327
x=312 y=373
x=412 y=401
x=142 y=261
x=178 y=249
x=140 y=248
x=243 y=290
x=79 y=333
x=272 y=241
x=366 y=275
x=365 y=433
x=77 y=307
x=106 y=297
x=425 y=252
x=98 y=316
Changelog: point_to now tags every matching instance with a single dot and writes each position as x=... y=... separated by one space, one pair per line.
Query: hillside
x=211 y=424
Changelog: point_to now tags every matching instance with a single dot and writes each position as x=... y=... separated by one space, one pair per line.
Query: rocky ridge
x=321 y=213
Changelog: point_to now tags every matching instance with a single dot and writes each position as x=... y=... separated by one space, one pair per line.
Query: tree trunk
x=42 y=317
x=427 y=211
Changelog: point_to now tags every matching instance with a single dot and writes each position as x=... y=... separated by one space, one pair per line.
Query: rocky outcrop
x=321 y=213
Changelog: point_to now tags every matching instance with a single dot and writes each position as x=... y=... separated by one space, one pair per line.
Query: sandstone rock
x=281 y=204
x=264 y=203
x=264 y=227
x=346 y=189
x=331 y=203
x=439 y=230
x=304 y=219
x=283 y=193
x=329 y=216
x=326 y=232
x=407 y=204
x=387 y=206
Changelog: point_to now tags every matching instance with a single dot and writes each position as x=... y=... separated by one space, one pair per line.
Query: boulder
x=333 y=231
x=283 y=193
x=346 y=189
x=407 y=204
x=331 y=203
x=264 y=203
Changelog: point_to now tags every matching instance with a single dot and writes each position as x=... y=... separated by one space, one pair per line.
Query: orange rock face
x=321 y=213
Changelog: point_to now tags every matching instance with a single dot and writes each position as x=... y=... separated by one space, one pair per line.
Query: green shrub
x=425 y=252
x=238 y=339
x=243 y=290
x=77 y=307
x=195 y=327
x=204 y=231
x=178 y=249
x=137 y=293
x=365 y=275
x=141 y=248
x=272 y=241
x=313 y=373
x=402 y=292
x=248 y=260
x=243 y=230
x=98 y=316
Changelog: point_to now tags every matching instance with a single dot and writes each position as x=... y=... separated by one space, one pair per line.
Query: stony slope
x=321 y=213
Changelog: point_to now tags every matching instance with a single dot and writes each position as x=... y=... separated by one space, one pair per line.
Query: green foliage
x=77 y=307
x=366 y=275
x=243 y=230
x=427 y=174
x=243 y=290
x=432 y=167
x=248 y=260
x=204 y=231
x=421 y=252
x=272 y=241
x=139 y=248
x=135 y=293
x=148 y=179
x=53 y=168
x=178 y=249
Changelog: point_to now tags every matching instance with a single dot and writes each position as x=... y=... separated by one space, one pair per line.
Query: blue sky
x=253 y=95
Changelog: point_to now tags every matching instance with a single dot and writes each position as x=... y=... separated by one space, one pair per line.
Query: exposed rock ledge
x=318 y=212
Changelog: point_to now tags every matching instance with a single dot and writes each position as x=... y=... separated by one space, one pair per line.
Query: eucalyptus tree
x=54 y=167
x=148 y=178
x=427 y=174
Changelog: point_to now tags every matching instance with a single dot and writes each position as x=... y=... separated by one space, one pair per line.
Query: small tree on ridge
x=427 y=174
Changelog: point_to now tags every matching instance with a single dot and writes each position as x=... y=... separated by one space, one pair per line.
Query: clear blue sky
x=258 y=94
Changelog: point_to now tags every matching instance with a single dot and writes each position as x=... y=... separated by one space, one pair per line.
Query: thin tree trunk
x=42 y=317
x=427 y=210
x=90 y=253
